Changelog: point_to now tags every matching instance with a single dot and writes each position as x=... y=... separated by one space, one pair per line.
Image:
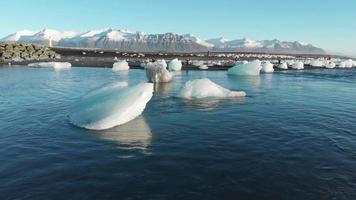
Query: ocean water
x=292 y=137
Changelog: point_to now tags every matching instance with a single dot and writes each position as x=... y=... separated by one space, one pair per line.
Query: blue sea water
x=292 y=137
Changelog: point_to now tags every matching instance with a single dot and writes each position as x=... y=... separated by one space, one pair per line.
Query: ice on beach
x=267 y=67
x=111 y=105
x=317 y=63
x=175 y=65
x=54 y=65
x=204 y=88
x=298 y=65
x=157 y=72
x=282 y=66
x=120 y=66
x=251 y=69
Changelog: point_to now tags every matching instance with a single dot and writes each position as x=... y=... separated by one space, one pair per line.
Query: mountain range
x=169 y=42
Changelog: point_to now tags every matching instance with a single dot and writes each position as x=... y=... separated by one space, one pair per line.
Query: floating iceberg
x=267 y=67
x=298 y=65
x=110 y=106
x=120 y=66
x=282 y=66
x=175 y=65
x=317 y=63
x=157 y=72
x=54 y=65
x=203 y=88
x=330 y=65
x=252 y=69
x=203 y=67
x=341 y=64
x=349 y=63
x=197 y=63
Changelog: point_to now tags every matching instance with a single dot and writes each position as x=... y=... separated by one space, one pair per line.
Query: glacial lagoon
x=292 y=137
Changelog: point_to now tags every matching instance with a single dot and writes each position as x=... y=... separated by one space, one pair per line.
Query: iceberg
x=157 y=72
x=298 y=65
x=203 y=67
x=330 y=65
x=341 y=64
x=251 y=69
x=110 y=106
x=120 y=66
x=282 y=66
x=175 y=65
x=267 y=67
x=349 y=63
x=203 y=88
x=54 y=65
x=198 y=63
x=317 y=63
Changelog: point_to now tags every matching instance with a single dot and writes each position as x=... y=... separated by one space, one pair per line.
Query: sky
x=329 y=24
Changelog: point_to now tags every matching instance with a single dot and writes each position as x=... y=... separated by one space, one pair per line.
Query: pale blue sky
x=330 y=24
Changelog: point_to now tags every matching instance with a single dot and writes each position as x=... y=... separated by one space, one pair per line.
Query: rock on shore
x=21 y=52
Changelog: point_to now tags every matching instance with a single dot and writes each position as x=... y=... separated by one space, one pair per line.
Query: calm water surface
x=292 y=137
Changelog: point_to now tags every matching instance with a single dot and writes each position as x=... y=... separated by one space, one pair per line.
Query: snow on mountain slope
x=140 y=41
x=17 y=35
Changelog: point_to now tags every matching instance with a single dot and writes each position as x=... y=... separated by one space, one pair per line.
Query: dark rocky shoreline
x=23 y=54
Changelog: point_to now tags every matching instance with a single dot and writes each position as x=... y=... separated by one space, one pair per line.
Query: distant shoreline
x=101 y=58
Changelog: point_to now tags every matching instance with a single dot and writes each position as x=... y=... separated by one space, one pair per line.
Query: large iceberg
x=120 y=66
x=267 y=67
x=203 y=88
x=251 y=69
x=175 y=65
x=157 y=72
x=54 y=65
x=282 y=66
x=110 y=106
x=298 y=65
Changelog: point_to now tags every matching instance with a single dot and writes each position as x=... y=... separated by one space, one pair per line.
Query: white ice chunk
x=349 y=63
x=157 y=72
x=197 y=63
x=203 y=88
x=317 y=63
x=252 y=69
x=267 y=67
x=54 y=65
x=120 y=66
x=298 y=65
x=282 y=66
x=330 y=65
x=203 y=67
x=341 y=64
x=110 y=106
x=175 y=65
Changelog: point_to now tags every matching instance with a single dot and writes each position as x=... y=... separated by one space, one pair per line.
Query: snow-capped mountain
x=139 y=41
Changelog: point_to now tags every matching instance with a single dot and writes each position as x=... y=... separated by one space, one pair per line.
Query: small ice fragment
x=157 y=72
x=251 y=69
x=120 y=66
x=203 y=88
x=282 y=66
x=267 y=67
x=298 y=65
x=175 y=65
x=54 y=65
